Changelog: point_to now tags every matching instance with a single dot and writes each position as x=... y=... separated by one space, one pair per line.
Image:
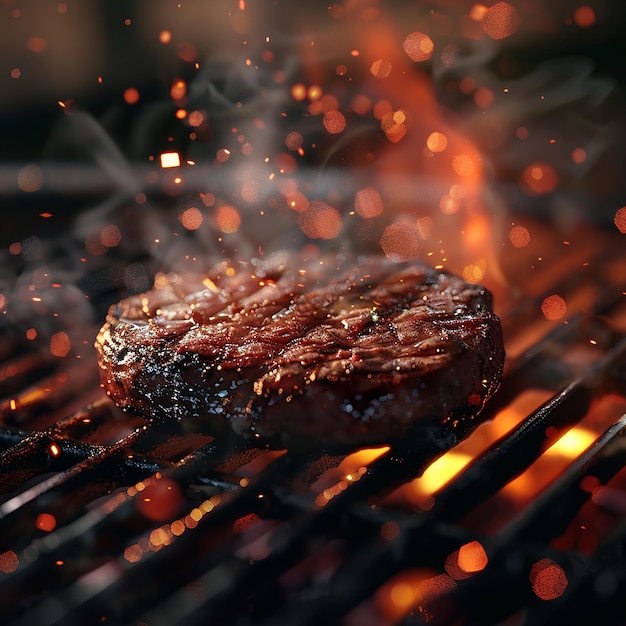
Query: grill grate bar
x=64 y=447
x=40 y=401
x=512 y=454
x=513 y=551
x=108 y=521
x=542 y=520
x=210 y=570
x=21 y=371
x=305 y=536
x=481 y=479
x=114 y=522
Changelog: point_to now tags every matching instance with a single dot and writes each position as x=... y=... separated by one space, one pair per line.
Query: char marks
x=279 y=334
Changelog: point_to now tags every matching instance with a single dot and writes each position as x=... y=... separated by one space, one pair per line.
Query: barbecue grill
x=109 y=517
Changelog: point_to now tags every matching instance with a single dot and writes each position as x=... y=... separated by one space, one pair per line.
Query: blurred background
x=149 y=136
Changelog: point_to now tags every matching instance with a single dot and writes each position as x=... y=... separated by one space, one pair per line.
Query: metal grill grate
x=109 y=518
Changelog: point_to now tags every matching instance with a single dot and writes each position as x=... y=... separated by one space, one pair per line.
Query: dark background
x=93 y=51
x=96 y=151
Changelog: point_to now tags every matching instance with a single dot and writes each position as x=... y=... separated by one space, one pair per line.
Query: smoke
x=279 y=123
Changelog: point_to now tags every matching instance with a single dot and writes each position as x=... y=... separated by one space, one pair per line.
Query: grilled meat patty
x=338 y=352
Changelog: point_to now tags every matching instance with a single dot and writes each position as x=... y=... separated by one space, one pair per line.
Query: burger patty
x=338 y=352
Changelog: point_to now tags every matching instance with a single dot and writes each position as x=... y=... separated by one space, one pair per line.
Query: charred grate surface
x=106 y=517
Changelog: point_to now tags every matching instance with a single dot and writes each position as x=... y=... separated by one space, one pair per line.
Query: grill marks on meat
x=337 y=352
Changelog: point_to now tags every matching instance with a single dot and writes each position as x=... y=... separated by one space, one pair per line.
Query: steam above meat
x=337 y=352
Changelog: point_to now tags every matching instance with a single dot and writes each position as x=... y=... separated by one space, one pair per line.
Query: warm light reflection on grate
x=572 y=443
x=554 y=460
x=338 y=479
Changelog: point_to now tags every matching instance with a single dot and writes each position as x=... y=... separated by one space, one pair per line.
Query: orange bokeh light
x=554 y=307
x=250 y=191
x=228 y=219
x=449 y=205
x=195 y=119
x=327 y=103
x=9 y=562
x=36 y=44
x=463 y=165
x=500 y=21
x=620 y=219
x=519 y=236
x=178 y=90
x=477 y=12
x=334 y=122
x=320 y=221
x=401 y=241
x=314 y=92
x=294 y=140
x=418 y=46
x=539 y=178
x=380 y=68
x=297 y=201
x=244 y=523
x=392 y=124
x=473 y=273
x=298 y=92
x=191 y=218
x=133 y=553
x=368 y=203
x=30 y=178
x=60 y=344
x=483 y=97
x=110 y=236
x=434 y=587
x=548 y=579
x=285 y=163
x=584 y=16
x=131 y=96
x=437 y=142
x=467 y=85
x=472 y=557
x=382 y=108
x=389 y=531
x=159 y=499
x=46 y=522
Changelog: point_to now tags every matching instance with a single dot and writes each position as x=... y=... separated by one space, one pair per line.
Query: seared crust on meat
x=337 y=351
